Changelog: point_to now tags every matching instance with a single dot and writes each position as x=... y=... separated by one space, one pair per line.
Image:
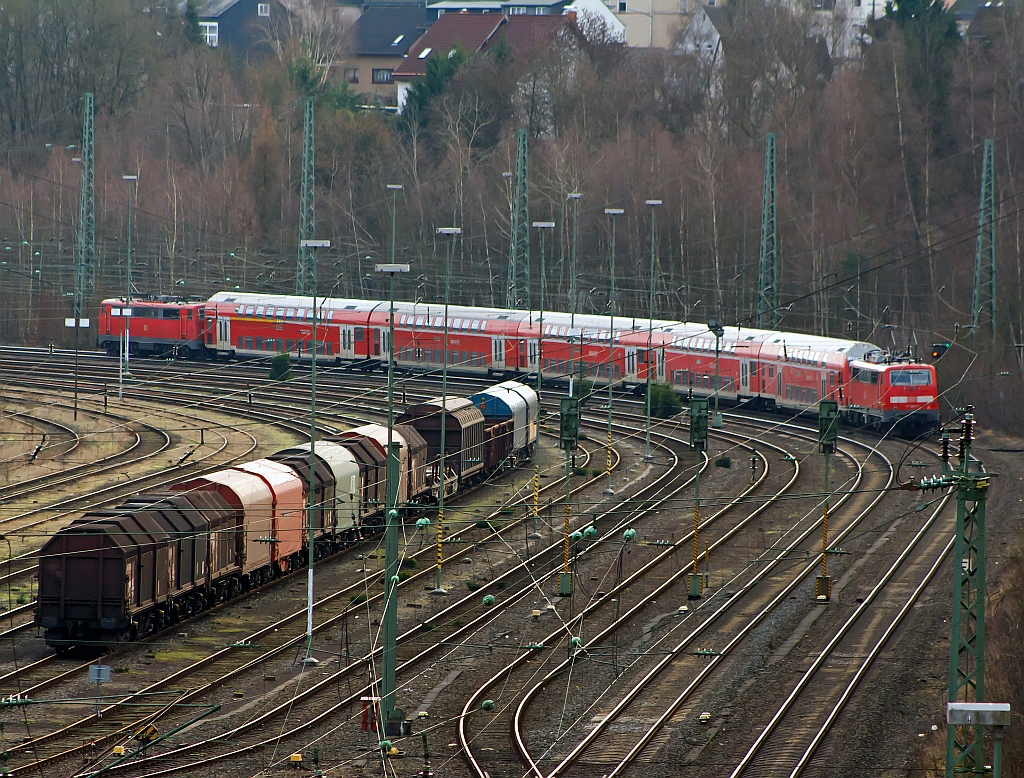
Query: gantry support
x=307 y=211
x=985 y=261
x=767 y=276
x=85 y=262
x=518 y=290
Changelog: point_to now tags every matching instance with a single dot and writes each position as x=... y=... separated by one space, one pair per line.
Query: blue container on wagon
x=516 y=401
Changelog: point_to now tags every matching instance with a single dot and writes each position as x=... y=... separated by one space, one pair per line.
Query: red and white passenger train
x=788 y=371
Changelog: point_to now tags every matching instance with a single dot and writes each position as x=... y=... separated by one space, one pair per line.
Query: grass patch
x=408 y=564
x=472 y=585
x=723 y=461
x=357 y=599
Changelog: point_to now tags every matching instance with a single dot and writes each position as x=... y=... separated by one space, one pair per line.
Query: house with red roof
x=477 y=33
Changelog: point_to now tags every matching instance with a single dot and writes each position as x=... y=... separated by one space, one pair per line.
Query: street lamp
x=613 y=212
x=126 y=312
x=543 y=227
x=650 y=336
x=716 y=327
x=315 y=245
x=451 y=232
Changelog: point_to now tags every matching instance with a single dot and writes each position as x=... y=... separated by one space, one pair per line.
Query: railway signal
x=939 y=349
x=698 y=441
x=568 y=437
x=828 y=433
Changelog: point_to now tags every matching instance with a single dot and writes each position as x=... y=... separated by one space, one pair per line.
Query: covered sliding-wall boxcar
x=132 y=569
x=464 y=435
x=517 y=402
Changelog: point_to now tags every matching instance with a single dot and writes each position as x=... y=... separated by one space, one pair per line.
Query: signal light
x=938 y=349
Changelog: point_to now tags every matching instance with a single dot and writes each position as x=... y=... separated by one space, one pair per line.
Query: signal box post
x=698 y=442
x=828 y=433
x=568 y=439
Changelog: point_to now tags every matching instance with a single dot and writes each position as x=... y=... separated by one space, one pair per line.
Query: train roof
x=666 y=332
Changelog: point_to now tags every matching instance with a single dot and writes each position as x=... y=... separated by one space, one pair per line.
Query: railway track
x=271 y=394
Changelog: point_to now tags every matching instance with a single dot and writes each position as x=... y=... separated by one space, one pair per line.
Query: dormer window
x=263 y=9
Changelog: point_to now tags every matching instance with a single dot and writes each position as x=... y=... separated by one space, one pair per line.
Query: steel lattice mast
x=767 y=277
x=85 y=263
x=518 y=290
x=307 y=211
x=985 y=260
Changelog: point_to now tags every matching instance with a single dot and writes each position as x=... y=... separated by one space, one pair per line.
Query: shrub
x=665 y=403
x=281 y=368
x=723 y=461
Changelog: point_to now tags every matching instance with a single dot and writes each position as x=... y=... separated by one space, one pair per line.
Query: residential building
x=654 y=23
x=469 y=30
x=243 y=25
x=507 y=7
x=380 y=40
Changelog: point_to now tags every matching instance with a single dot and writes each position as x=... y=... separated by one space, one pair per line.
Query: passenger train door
x=532 y=347
x=498 y=353
x=381 y=336
x=744 y=376
x=223 y=333
x=346 y=341
x=630 y=363
x=660 y=356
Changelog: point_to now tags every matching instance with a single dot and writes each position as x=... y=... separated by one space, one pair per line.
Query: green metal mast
x=985 y=261
x=964 y=747
x=517 y=295
x=86 y=255
x=84 y=266
x=307 y=211
x=767 y=277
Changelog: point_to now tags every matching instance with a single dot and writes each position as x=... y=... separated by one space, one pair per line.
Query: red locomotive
x=157 y=326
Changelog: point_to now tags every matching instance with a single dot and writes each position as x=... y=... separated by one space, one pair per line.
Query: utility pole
x=965 y=738
x=698 y=442
x=985 y=259
x=543 y=227
x=391 y=716
x=613 y=212
x=650 y=339
x=312 y=246
x=767 y=276
x=451 y=232
x=307 y=210
x=568 y=437
x=718 y=331
x=126 y=312
x=828 y=434
x=86 y=258
x=518 y=290
x=573 y=289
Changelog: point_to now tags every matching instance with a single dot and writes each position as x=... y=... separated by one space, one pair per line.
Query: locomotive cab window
x=910 y=378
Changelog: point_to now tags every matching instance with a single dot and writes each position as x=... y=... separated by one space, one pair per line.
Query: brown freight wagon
x=464 y=435
x=498 y=446
x=114 y=574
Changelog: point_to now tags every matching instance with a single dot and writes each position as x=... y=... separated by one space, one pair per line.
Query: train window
x=249 y=310
x=475 y=325
x=465 y=325
x=359 y=334
x=259 y=344
x=280 y=313
x=289 y=344
x=330 y=349
x=474 y=358
x=248 y=342
x=240 y=309
x=771 y=371
x=419 y=321
x=438 y=323
x=910 y=378
x=300 y=314
x=457 y=324
x=259 y=310
x=310 y=313
x=831 y=379
x=483 y=326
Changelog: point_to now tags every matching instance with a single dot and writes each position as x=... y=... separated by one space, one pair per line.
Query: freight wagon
x=160 y=557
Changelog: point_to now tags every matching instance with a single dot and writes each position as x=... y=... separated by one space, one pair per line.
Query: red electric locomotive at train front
x=771 y=369
x=157 y=326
